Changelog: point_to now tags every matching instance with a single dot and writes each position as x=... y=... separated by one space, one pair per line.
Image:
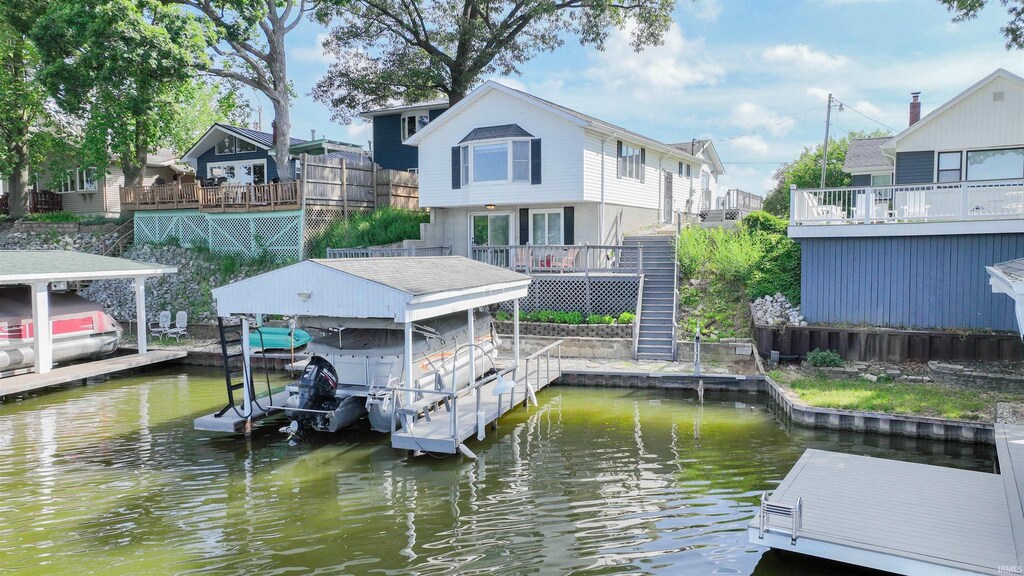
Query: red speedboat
x=80 y=328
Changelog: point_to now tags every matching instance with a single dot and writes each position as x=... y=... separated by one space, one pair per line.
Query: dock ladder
x=231 y=336
x=768 y=509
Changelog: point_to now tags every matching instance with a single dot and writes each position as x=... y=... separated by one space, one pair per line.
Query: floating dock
x=899 y=516
x=34 y=381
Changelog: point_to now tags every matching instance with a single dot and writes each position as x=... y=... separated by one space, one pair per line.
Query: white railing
x=558 y=259
x=932 y=202
x=388 y=252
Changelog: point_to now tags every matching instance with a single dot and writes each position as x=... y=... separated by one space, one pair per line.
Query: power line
x=886 y=126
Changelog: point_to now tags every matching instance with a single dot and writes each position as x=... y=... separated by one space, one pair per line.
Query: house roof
x=423 y=105
x=697 y=146
x=27 y=266
x=578 y=118
x=493 y=132
x=350 y=155
x=999 y=73
x=1008 y=278
x=264 y=140
x=424 y=274
x=866 y=154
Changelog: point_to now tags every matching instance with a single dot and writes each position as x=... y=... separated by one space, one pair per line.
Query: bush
x=382 y=226
x=693 y=247
x=824 y=358
x=600 y=319
x=763 y=222
x=626 y=318
x=778 y=271
x=502 y=316
x=61 y=216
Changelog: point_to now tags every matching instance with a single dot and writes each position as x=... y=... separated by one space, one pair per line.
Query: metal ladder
x=793 y=512
x=232 y=336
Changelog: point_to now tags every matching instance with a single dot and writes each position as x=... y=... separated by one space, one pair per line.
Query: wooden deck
x=28 y=382
x=1010 y=451
x=898 y=516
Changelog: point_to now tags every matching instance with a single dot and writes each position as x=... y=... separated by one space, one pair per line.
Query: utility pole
x=824 y=147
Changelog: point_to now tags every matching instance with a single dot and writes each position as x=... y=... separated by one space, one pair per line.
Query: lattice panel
x=192 y=228
x=318 y=221
x=601 y=295
x=278 y=234
x=248 y=234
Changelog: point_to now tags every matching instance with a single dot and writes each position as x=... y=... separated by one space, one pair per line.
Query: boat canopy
x=402 y=289
x=1008 y=278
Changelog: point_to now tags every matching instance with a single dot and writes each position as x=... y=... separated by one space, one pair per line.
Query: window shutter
x=618 y=158
x=568 y=225
x=643 y=163
x=524 y=226
x=535 y=161
x=456 y=168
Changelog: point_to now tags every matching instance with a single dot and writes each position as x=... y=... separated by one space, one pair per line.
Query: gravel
x=776 y=311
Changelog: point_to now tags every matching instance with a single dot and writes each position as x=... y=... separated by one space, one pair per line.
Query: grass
x=383 y=226
x=900 y=397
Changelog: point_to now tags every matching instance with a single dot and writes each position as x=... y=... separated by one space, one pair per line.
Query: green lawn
x=901 y=398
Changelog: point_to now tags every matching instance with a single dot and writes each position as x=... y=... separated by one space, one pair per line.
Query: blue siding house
x=393 y=126
x=907 y=245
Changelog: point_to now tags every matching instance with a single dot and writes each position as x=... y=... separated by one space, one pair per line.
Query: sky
x=752 y=75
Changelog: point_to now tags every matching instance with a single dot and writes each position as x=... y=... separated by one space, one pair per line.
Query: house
x=930 y=207
x=393 y=126
x=702 y=194
x=246 y=156
x=89 y=191
x=503 y=167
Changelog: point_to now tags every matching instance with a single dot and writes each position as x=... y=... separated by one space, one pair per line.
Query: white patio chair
x=180 y=326
x=162 y=325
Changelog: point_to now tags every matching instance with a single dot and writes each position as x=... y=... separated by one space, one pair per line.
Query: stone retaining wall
x=550 y=330
x=573 y=347
x=29 y=227
x=964 y=376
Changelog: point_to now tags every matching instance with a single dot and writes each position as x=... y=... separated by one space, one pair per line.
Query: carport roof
x=28 y=266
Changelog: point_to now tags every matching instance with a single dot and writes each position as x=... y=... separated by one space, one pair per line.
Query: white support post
x=793 y=212
x=140 y=313
x=515 y=331
x=246 y=369
x=42 y=342
x=472 y=349
x=407 y=368
x=869 y=204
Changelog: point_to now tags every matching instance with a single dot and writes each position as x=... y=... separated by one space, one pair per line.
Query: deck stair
x=123 y=235
x=659 y=300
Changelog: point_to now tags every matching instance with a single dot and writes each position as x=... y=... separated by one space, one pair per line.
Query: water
x=111 y=479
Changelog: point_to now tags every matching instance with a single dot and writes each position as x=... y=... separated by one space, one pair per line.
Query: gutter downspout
x=601 y=207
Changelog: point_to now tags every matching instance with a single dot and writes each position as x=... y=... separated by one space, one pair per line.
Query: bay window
x=1007 y=164
x=507 y=161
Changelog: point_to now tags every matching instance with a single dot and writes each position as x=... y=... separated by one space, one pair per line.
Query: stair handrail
x=675 y=296
x=639 y=315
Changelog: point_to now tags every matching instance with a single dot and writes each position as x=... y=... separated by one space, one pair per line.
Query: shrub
x=824 y=358
x=502 y=316
x=763 y=222
x=382 y=226
x=600 y=319
x=626 y=318
x=778 y=271
x=692 y=250
x=735 y=254
x=61 y=216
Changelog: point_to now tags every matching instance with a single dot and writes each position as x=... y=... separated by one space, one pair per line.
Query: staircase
x=659 y=299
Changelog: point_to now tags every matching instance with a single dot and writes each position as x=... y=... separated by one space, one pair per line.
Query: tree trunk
x=19 y=194
x=134 y=165
x=283 y=124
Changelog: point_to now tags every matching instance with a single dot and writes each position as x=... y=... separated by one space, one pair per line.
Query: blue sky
x=753 y=75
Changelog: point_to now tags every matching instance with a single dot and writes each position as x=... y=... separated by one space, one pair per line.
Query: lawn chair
x=521 y=258
x=162 y=325
x=180 y=326
x=568 y=261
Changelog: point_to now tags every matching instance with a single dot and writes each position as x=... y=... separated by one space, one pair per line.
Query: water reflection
x=111 y=479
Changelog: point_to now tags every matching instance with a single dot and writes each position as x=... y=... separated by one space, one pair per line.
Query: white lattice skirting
x=279 y=233
x=565 y=293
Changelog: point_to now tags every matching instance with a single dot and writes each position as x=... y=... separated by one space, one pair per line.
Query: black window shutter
x=643 y=163
x=618 y=158
x=524 y=226
x=568 y=226
x=456 y=168
x=535 y=161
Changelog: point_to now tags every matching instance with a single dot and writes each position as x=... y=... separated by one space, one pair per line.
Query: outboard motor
x=317 y=405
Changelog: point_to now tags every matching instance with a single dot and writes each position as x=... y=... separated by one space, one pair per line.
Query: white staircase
x=660 y=297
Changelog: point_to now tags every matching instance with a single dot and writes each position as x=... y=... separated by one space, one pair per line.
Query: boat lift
x=428 y=415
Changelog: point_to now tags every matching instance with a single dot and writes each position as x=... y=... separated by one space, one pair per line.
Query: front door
x=488 y=232
x=667 y=215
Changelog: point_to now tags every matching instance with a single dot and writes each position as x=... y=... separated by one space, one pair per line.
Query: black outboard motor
x=315 y=400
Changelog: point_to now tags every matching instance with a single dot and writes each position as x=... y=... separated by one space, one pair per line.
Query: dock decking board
x=893 y=515
x=1010 y=452
x=232 y=422
x=62 y=375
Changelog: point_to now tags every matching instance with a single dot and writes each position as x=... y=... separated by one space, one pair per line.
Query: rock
x=776 y=311
x=870 y=377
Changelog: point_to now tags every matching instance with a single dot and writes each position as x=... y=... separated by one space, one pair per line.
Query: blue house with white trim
x=393 y=126
x=930 y=208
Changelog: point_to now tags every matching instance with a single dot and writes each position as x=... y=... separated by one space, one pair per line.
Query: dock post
x=140 y=313
x=515 y=331
x=408 y=362
x=246 y=376
x=43 y=341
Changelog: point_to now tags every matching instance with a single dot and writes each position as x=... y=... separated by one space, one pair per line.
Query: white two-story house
x=502 y=167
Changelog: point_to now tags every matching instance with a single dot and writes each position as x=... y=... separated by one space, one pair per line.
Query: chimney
x=273 y=132
x=915 y=107
x=312 y=134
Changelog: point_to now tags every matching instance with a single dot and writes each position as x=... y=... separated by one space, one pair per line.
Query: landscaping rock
x=870 y=377
x=776 y=311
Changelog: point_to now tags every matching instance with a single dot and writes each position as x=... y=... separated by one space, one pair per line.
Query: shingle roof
x=1012 y=269
x=424 y=275
x=439 y=103
x=866 y=153
x=691 y=147
x=264 y=139
x=493 y=132
x=19 y=266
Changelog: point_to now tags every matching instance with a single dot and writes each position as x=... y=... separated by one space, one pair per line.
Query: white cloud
x=803 y=56
x=358 y=132
x=756 y=117
x=314 y=53
x=676 y=64
x=867 y=108
x=820 y=94
x=754 y=144
x=707 y=10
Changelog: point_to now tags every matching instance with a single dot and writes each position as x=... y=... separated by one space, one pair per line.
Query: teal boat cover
x=277 y=338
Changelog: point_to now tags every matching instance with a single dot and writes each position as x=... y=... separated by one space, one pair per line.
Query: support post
x=42 y=342
x=246 y=370
x=407 y=368
x=515 y=331
x=140 y=313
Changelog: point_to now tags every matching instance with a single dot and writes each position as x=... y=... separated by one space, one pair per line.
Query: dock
x=901 y=517
x=234 y=421
x=34 y=381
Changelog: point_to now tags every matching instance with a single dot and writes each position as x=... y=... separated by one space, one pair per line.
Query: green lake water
x=111 y=479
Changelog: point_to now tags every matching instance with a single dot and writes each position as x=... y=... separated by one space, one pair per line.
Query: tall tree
x=124 y=66
x=805 y=171
x=250 y=49
x=410 y=50
x=211 y=100
x=21 y=103
x=964 y=10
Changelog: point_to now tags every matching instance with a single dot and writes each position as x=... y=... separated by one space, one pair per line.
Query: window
x=995 y=164
x=491 y=229
x=545 y=227
x=413 y=122
x=495 y=162
x=243 y=146
x=949 y=167
x=684 y=169
x=631 y=161
x=87 y=179
x=881 y=179
x=233 y=145
x=705 y=180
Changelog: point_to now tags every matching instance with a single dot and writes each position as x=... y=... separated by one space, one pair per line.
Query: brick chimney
x=273 y=125
x=915 y=107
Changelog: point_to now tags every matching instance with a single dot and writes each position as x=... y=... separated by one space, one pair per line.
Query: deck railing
x=244 y=197
x=932 y=202
x=560 y=259
x=388 y=252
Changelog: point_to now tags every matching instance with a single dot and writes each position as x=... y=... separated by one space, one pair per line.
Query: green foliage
x=626 y=318
x=693 y=248
x=62 y=216
x=778 y=271
x=765 y=223
x=502 y=316
x=552 y=317
x=824 y=358
x=600 y=319
x=382 y=226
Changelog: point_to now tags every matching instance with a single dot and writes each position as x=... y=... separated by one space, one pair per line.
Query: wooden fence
x=357 y=185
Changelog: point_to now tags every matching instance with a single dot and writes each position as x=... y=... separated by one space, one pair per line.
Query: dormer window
x=413 y=122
